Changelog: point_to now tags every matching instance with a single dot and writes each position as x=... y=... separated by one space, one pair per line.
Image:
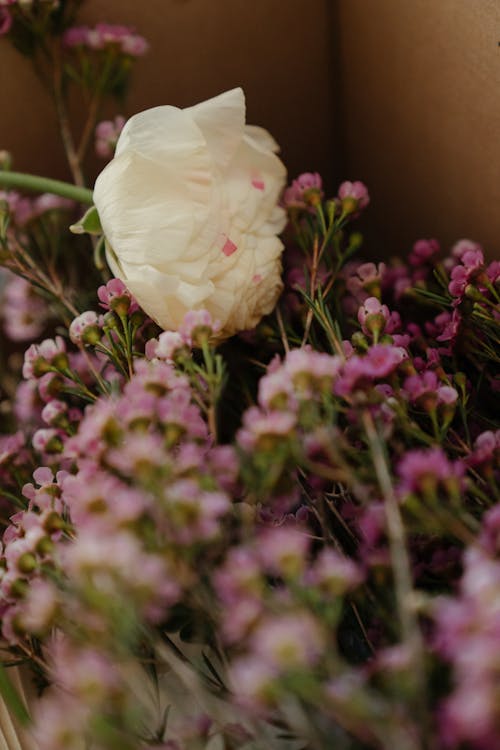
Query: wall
x=420 y=117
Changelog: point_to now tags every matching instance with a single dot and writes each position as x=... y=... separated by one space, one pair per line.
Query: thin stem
x=45 y=185
x=399 y=555
x=314 y=272
x=281 y=325
x=63 y=119
x=89 y=127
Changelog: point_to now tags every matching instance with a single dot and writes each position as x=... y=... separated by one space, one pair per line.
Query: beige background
x=403 y=94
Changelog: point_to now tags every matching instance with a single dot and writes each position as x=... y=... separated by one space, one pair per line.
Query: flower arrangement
x=250 y=485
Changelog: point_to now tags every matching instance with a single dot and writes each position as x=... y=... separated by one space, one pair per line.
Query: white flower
x=189 y=208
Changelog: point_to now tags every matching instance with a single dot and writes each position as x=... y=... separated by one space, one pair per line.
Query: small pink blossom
x=304 y=191
x=353 y=196
x=115 y=295
x=423 y=469
x=197 y=326
x=39 y=358
x=103 y=35
x=364 y=280
x=85 y=327
x=106 y=136
x=168 y=344
x=423 y=252
x=471 y=264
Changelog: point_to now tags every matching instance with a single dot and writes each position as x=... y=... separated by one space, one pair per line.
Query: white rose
x=189 y=208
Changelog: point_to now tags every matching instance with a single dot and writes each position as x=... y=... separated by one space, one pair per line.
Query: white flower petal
x=222 y=122
x=262 y=138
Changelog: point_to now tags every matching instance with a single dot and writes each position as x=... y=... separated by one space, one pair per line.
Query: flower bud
x=120 y=305
x=27 y=563
x=5 y=160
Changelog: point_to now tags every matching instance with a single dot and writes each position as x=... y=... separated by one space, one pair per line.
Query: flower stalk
x=34 y=183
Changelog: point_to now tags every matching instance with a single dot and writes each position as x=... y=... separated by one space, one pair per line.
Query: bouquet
x=250 y=482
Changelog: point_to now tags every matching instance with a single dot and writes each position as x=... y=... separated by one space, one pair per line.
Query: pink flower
x=85 y=328
x=304 y=191
x=283 y=550
x=197 y=326
x=463 y=246
x=353 y=197
x=258 y=427
x=40 y=358
x=48 y=441
x=372 y=315
x=364 y=280
x=421 y=470
x=106 y=135
x=334 y=573
x=115 y=296
x=104 y=35
x=167 y=346
x=288 y=641
x=423 y=252
x=471 y=263
x=426 y=390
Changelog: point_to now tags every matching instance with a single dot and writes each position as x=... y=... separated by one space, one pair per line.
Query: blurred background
x=402 y=94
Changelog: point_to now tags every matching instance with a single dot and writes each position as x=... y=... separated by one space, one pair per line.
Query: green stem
x=45 y=185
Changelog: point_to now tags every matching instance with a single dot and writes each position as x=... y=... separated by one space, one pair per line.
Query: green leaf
x=88 y=224
x=12 y=699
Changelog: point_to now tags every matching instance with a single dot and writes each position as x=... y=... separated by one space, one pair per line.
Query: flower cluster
x=291 y=535
x=106 y=36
